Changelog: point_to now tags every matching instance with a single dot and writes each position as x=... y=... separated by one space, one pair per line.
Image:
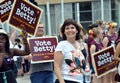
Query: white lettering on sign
x=104 y=59
x=26 y=13
x=44 y=46
x=5 y=7
x=41 y=43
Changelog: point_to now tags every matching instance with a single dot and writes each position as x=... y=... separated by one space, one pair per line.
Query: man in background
x=41 y=72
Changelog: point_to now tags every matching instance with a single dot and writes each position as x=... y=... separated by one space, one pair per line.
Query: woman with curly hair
x=68 y=58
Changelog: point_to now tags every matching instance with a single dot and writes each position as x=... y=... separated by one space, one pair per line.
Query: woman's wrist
x=24 y=40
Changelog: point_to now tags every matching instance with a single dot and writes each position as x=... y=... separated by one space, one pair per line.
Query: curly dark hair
x=7 y=44
x=68 y=22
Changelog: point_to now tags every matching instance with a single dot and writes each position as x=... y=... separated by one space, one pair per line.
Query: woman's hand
x=24 y=35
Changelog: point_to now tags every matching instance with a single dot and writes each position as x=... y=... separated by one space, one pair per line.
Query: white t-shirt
x=11 y=45
x=72 y=59
x=16 y=46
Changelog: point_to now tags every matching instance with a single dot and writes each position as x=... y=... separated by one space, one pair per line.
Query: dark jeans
x=26 y=66
x=66 y=81
x=15 y=69
x=42 y=77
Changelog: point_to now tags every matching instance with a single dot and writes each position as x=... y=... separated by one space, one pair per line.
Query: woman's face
x=103 y=25
x=100 y=35
x=113 y=30
x=70 y=31
x=2 y=40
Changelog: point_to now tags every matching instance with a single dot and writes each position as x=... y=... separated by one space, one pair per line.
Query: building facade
x=84 y=11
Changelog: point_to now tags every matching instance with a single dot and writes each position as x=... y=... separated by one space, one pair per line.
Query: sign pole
x=62 y=9
x=8 y=29
x=78 y=13
x=102 y=10
x=2 y=26
x=48 y=17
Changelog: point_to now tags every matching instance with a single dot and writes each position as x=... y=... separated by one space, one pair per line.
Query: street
x=26 y=79
x=23 y=79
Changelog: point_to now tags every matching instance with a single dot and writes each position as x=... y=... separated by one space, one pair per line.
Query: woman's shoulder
x=117 y=41
x=63 y=42
x=64 y=45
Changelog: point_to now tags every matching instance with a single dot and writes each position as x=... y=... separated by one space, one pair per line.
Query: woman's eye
x=67 y=28
x=3 y=39
x=72 y=27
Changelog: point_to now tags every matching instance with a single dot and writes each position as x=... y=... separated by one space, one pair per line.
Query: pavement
x=24 y=79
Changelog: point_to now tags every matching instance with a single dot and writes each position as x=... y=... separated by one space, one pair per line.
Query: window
x=85 y=14
x=73 y=10
x=85 y=11
x=114 y=10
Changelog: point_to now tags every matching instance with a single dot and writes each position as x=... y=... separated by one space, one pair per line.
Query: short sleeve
x=58 y=47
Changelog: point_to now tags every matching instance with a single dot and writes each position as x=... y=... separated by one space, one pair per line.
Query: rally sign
x=103 y=61
x=25 y=15
x=5 y=8
x=42 y=49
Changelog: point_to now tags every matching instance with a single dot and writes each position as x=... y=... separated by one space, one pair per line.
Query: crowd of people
x=72 y=54
x=75 y=51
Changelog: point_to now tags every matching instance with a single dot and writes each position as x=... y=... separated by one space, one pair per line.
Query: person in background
x=109 y=40
x=60 y=34
x=84 y=50
x=117 y=52
x=6 y=56
x=26 y=64
x=111 y=35
x=90 y=37
x=89 y=41
x=11 y=41
x=85 y=35
x=68 y=58
x=41 y=72
x=101 y=25
x=17 y=58
x=96 y=45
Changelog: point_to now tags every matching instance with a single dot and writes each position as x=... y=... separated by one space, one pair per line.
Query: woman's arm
x=105 y=42
x=117 y=52
x=58 y=59
x=13 y=36
x=86 y=47
x=26 y=51
x=1 y=59
x=92 y=50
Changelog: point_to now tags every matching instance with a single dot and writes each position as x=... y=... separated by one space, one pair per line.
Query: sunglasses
x=40 y=27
